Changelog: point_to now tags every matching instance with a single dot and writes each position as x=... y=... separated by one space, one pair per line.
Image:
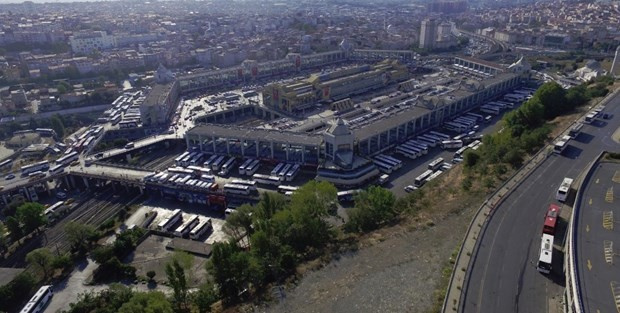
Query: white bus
x=200 y=229
x=478 y=117
x=440 y=135
x=40 y=299
x=67 y=159
x=418 y=151
x=210 y=161
x=284 y=170
x=277 y=169
x=434 y=175
x=196 y=159
x=51 y=210
x=347 y=195
x=420 y=180
x=207 y=178
x=35 y=167
x=237 y=189
x=187 y=159
x=436 y=164
x=267 y=180
x=429 y=142
x=285 y=189
x=218 y=163
x=245 y=164
x=432 y=138
x=406 y=152
x=57 y=169
x=512 y=97
x=187 y=226
x=6 y=163
x=395 y=163
x=564 y=189
x=455 y=127
x=452 y=144
x=575 y=130
x=178 y=159
x=290 y=175
x=421 y=146
x=546 y=254
x=459 y=153
x=489 y=109
x=383 y=167
x=254 y=166
x=560 y=146
x=249 y=183
x=590 y=118
x=227 y=167
x=165 y=224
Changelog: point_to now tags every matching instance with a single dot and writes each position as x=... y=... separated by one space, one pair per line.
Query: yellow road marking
x=608 y=250
x=609 y=196
x=616 y=178
x=589 y=265
x=608 y=220
x=615 y=292
x=590 y=202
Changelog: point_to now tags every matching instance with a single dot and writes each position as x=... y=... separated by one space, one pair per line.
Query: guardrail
x=543 y=153
x=571 y=242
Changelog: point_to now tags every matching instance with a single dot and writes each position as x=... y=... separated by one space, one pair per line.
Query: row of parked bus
x=193 y=227
x=386 y=163
x=435 y=168
x=286 y=171
x=181 y=177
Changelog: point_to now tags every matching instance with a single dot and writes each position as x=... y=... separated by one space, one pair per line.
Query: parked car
x=9 y=177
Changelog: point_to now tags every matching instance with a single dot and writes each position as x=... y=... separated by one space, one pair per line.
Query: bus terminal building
x=340 y=152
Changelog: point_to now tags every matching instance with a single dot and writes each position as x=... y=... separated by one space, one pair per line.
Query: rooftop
x=229 y=131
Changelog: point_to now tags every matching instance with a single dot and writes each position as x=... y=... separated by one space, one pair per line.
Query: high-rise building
x=615 y=67
x=428 y=33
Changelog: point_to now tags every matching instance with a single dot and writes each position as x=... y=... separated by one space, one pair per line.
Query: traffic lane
x=492 y=273
x=524 y=207
x=595 y=282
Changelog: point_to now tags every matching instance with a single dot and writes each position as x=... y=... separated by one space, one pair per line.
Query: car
x=99 y=155
x=9 y=177
x=410 y=188
x=1 y=187
x=457 y=160
x=606 y=116
x=61 y=195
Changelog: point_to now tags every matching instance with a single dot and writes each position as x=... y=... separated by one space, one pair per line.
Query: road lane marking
x=608 y=249
x=616 y=178
x=609 y=196
x=615 y=292
x=590 y=202
x=587 y=228
x=596 y=182
x=608 y=220
x=589 y=265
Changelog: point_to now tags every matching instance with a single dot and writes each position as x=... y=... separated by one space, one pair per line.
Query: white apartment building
x=91 y=41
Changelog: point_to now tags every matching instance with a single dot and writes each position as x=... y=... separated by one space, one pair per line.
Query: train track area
x=94 y=209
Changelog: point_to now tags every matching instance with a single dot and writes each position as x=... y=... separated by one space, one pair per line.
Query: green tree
x=241 y=219
x=58 y=126
x=232 y=270
x=42 y=260
x=151 y=275
x=31 y=216
x=205 y=297
x=13 y=225
x=80 y=236
x=373 y=207
x=147 y=302
x=184 y=259
x=178 y=281
x=471 y=158
x=4 y=240
x=552 y=96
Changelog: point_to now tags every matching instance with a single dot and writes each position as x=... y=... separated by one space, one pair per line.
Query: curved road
x=504 y=276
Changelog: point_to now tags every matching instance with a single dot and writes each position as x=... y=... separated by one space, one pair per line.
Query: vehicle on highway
x=383 y=179
x=9 y=177
x=129 y=145
x=564 y=189
x=551 y=219
x=99 y=155
x=546 y=254
x=606 y=116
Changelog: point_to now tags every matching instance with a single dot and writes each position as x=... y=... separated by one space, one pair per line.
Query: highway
x=503 y=276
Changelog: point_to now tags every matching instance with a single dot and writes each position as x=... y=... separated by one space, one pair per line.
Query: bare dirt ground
x=396 y=269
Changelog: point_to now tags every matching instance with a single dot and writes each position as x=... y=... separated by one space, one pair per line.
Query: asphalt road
x=504 y=276
x=596 y=275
